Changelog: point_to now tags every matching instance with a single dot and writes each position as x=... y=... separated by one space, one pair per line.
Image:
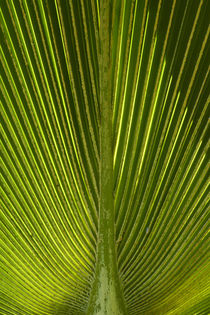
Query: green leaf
x=104 y=157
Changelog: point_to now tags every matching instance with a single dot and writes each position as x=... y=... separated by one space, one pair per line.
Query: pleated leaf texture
x=50 y=154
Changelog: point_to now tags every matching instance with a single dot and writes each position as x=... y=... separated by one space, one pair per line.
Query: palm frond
x=151 y=170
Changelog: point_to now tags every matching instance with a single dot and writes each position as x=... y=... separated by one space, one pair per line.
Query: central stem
x=106 y=295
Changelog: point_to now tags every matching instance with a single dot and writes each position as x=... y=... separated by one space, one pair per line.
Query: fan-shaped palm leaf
x=104 y=121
